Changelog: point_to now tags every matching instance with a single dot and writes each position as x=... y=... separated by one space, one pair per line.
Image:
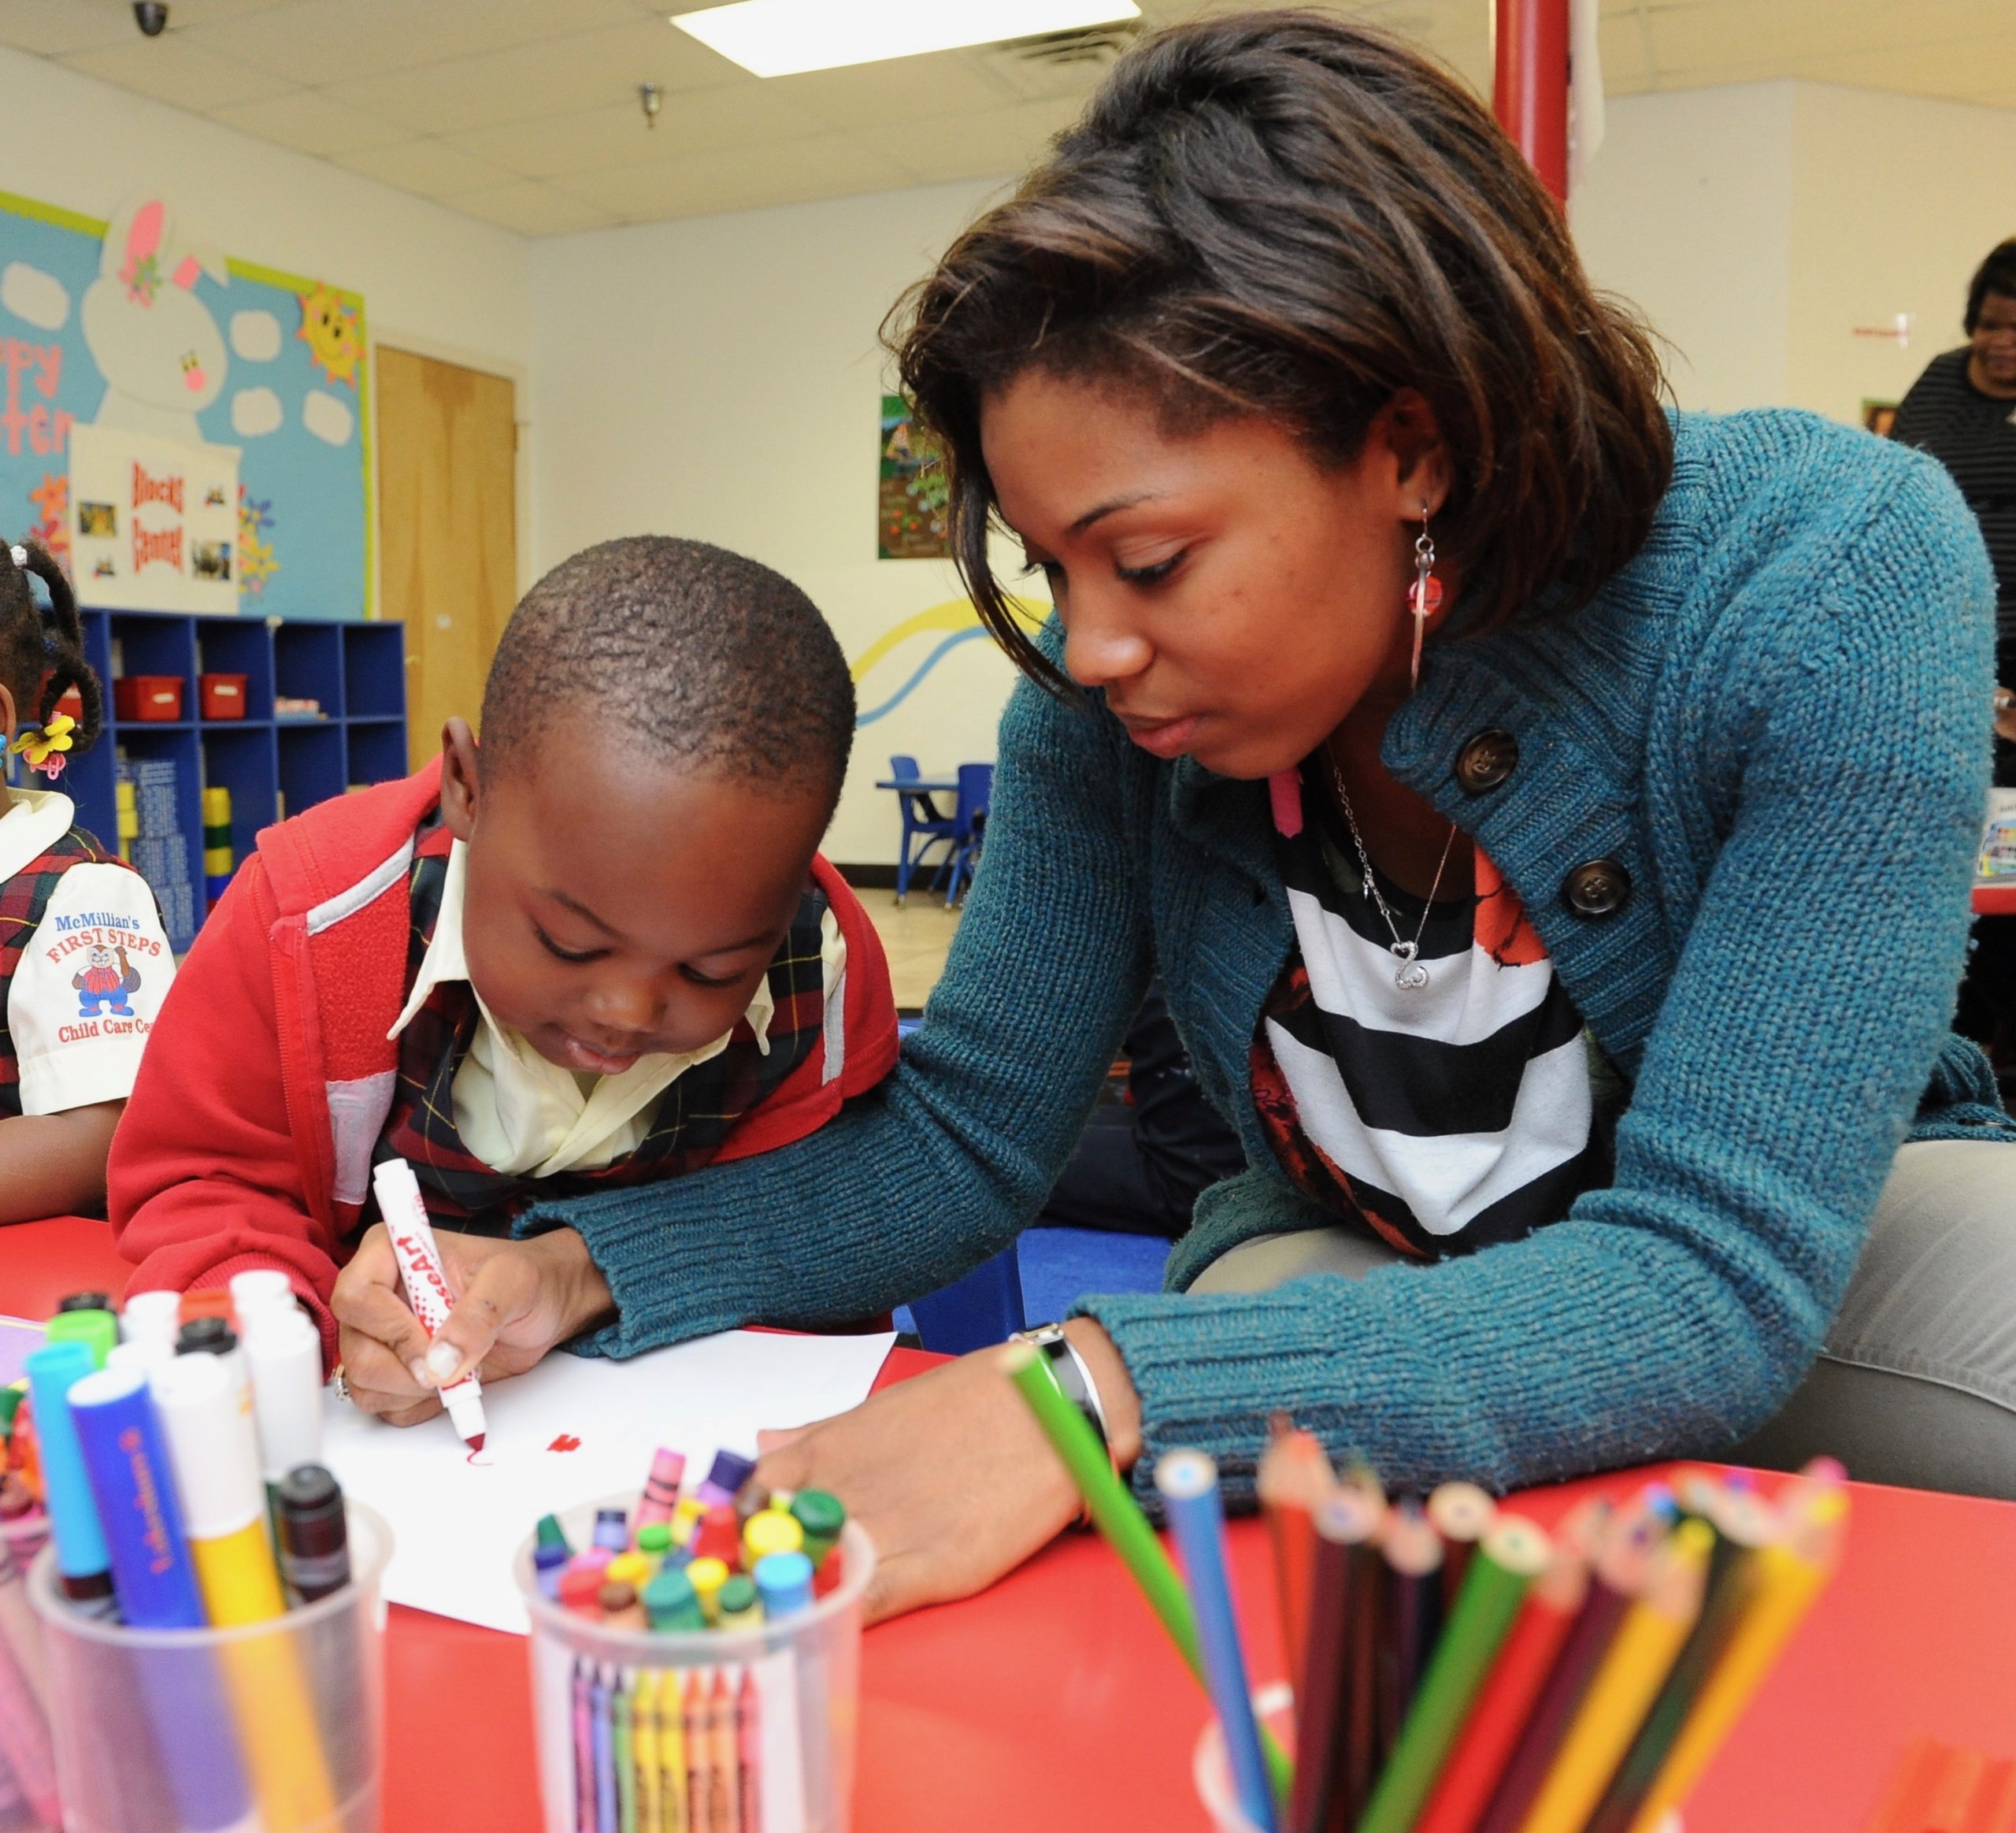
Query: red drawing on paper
x=566 y=1442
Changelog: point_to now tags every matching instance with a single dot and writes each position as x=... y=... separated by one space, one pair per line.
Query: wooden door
x=448 y=517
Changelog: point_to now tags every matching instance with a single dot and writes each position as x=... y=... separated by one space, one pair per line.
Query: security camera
x=150 y=16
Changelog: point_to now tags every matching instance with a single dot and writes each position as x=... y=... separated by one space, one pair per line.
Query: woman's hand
x=950 y=1473
x=2005 y=714
x=515 y=1300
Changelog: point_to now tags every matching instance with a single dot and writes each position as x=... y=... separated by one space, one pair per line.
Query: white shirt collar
x=34 y=821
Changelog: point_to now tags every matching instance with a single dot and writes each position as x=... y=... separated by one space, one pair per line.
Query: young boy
x=600 y=948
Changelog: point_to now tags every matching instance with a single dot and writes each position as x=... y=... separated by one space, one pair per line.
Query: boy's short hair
x=701 y=658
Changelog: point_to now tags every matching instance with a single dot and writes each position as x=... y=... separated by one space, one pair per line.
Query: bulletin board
x=140 y=332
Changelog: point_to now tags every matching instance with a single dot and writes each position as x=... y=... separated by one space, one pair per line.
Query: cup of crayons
x=696 y=1655
x=197 y=1646
x=1456 y=1669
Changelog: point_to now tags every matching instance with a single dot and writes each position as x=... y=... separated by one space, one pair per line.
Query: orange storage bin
x=143 y=697
x=221 y=696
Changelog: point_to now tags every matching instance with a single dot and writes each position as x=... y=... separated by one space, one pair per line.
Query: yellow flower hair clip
x=43 y=746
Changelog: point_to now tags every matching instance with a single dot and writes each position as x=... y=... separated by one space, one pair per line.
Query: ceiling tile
x=690 y=121
x=329 y=41
x=532 y=209
x=831 y=166
x=172 y=69
x=903 y=89
x=49 y=28
x=532 y=82
x=310 y=122
x=980 y=145
x=1949 y=68
x=428 y=167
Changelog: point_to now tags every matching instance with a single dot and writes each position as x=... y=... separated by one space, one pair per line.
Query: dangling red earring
x=1425 y=595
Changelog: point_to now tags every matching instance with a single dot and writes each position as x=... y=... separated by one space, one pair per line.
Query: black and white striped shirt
x=1447 y=1117
x=1973 y=435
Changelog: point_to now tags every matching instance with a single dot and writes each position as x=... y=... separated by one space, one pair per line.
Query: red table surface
x=1054 y=1697
x=1995 y=899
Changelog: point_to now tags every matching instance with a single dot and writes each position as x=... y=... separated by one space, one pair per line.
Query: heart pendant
x=1411 y=977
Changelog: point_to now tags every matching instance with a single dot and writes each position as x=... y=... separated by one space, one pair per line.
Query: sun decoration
x=328 y=327
x=43 y=746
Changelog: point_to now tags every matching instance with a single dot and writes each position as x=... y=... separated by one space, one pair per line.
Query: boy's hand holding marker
x=514 y=1301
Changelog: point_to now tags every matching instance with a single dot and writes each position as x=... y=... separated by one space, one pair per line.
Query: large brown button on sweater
x=1596 y=888
x=1486 y=760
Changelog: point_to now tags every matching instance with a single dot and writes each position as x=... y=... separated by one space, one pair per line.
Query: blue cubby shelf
x=273 y=767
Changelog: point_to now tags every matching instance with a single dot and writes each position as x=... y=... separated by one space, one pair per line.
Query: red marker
x=405 y=1216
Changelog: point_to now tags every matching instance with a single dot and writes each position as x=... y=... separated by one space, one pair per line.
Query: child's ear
x=459 y=779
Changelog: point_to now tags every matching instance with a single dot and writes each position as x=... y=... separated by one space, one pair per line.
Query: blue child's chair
x=922 y=823
x=978 y=1308
x=970 y=825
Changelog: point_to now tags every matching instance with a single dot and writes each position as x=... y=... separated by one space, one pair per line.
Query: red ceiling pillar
x=1529 y=87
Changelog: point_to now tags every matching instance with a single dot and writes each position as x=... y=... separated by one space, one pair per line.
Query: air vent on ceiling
x=1090 y=44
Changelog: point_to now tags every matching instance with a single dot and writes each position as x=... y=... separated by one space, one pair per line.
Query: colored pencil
x=1119 y=1517
x=1647 y=1643
x=1411 y=1612
x=1790 y=1575
x=1187 y=1482
x=1624 y=1541
x=1462 y=1514
x=1503 y=1703
x=1344 y=1522
x=1512 y=1555
x=1294 y=1477
x=1745 y=1524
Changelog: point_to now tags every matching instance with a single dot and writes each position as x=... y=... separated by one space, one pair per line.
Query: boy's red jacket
x=247 y=1141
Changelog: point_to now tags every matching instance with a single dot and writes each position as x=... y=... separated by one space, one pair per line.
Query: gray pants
x=1917 y=1384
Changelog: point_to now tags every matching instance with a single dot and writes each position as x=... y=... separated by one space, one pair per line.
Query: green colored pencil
x=1118 y=1516
x=1511 y=1555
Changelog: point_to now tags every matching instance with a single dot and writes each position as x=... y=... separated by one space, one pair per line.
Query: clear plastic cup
x=203 y=1729
x=1211 y=1769
x=772 y=1709
x=28 y=1764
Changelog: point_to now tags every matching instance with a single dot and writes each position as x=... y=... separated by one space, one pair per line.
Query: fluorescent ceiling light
x=780 y=38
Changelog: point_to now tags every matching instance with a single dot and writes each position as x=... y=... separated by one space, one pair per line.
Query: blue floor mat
x=1060 y=1264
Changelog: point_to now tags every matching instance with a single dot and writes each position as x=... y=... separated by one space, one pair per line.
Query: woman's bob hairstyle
x=1287 y=214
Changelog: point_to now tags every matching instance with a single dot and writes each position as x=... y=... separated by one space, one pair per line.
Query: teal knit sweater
x=1776 y=719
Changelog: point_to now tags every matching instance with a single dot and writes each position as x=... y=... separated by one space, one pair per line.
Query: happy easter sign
x=188 y=432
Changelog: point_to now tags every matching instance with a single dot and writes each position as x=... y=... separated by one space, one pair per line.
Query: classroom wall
x=720 y=378
x=1764 y=227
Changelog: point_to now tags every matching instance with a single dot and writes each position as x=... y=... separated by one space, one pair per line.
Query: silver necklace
x=1413 y=974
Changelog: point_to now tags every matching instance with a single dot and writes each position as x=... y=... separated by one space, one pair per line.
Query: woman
x=1282 y=343
x=1962 y=410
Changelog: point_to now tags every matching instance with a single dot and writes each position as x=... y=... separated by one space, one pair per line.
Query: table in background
x=1054 y=1697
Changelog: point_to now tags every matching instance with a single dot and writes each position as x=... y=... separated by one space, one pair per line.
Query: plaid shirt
x=695 y=1114
x=23 y=898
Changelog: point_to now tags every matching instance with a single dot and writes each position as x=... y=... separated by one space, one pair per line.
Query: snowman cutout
x=107 y=977
x=155 y=342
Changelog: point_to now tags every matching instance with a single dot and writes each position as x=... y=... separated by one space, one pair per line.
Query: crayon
x=622 y=1752
x=730 y=1471
x=83 y=1563
x=1511 y=1556
x=820 y=1518
x=700 y=1744
x=579 y=1588
x=737 y=1602
x=662 y=1487
x=1411 y=1612
x=1790 y=1573
x=550 y=1533
x=547 y=1562
x=1344 y=1523
x=784 y=1581
x=655 y=1539
x=726 y=1756
x=634 y=1569
x=612 y=1530
x=605 y=1760
x=584 y=1748
x=718 y=1536
x=749 y=1751
x=671 y=1603
x=1294 y=1477
x=1524 y=1659
x=768 y=1532
x=1117 y=1515
x=650 y=1779
x=675 y=1792
x=1187 y=1482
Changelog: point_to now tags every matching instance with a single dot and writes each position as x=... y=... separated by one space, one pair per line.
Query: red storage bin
x=141 y=697
x=221 y=696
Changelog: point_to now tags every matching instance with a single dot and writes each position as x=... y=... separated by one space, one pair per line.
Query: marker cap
x=211 y=1444
x=53 y=1370
x=83 y=1302
x=138 y=1355
x=784 y=1581
x=97 y=1328
x=261 y=1289
x=127 y=1462
x=283 y=1357
x=152 y=1316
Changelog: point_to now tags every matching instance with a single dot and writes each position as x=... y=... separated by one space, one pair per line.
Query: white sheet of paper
x=571 y=1430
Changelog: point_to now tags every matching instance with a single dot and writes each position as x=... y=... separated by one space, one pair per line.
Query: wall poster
x=911 y=517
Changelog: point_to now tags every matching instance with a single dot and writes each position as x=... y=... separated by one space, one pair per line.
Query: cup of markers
x=695 y=1657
